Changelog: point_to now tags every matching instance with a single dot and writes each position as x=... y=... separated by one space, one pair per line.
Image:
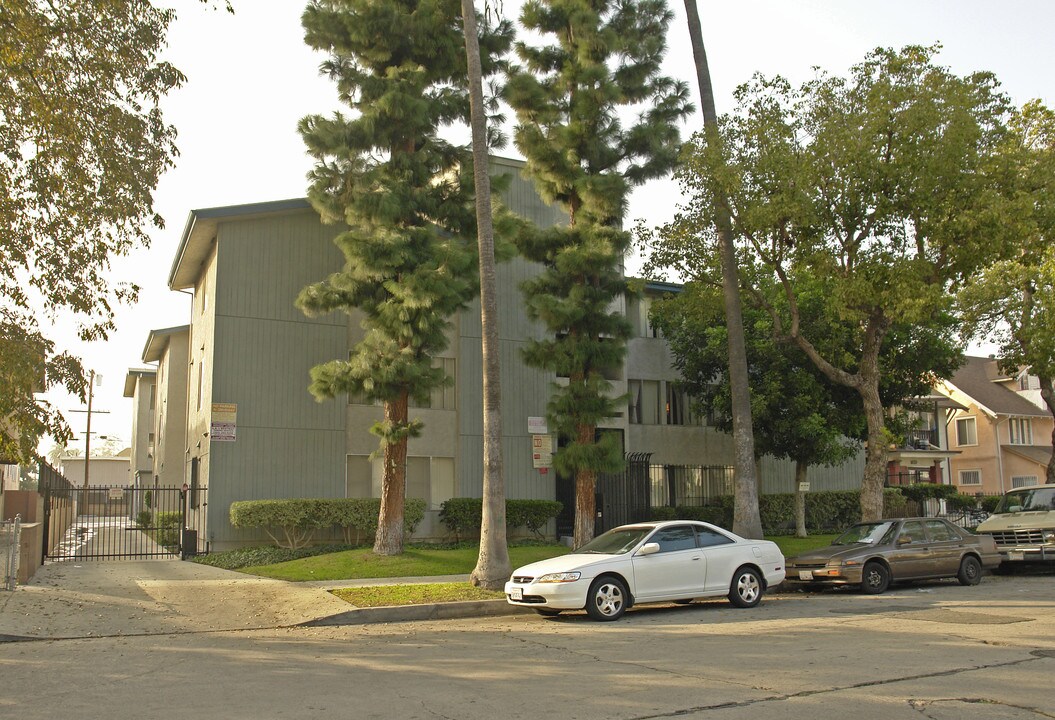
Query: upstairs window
x=966 y=431
x=1021 y=431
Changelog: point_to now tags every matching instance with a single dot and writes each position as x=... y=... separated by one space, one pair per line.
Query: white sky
x=250 y=78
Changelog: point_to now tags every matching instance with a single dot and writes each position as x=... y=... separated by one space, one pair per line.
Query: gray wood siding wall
x=288 y=445
x=525 y=390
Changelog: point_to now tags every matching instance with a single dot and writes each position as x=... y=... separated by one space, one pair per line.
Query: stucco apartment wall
x=143 y=400
x=171 y=412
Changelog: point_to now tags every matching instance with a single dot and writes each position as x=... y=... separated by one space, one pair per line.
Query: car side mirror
x=649 y=549
x=904 y=540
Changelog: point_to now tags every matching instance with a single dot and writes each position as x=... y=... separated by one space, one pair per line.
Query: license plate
x=1016 y=555
x=805 y=574
x=516 y=594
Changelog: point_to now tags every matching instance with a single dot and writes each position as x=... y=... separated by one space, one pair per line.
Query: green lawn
x=414 y=562
x=385 y=595
x=419 y=561
x=792 y=546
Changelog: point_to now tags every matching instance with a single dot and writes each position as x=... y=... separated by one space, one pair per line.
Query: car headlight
x=559 y=577
x=843 y=563
x=1049 y=536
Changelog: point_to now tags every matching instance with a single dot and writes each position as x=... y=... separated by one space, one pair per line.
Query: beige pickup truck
x=1023 y=524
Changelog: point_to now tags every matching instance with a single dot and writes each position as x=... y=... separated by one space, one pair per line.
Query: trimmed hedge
x=825 y=511
x=291 y=523
x=462 y=516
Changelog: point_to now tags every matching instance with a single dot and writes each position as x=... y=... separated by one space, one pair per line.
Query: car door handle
x=696 y=558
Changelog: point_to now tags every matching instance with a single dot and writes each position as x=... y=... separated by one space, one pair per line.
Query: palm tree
x=746 y=520
x=492 y=566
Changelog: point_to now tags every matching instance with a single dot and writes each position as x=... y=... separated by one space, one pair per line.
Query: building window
x=643 y=403
x=1021 y=430
x=679 y=406
x=966 y=431
x=153 y=397
x=201 y=381
x=1021 y=481
x=970 y=477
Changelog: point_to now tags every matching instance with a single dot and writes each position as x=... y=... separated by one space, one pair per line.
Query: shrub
x=291 y=523
x=664 y=512
x=532 y=514
x=927 y=490
x=148 y=499
x=989 y=502
x=961 y=503
x=463 y=516
x=169 y=525
x=894 y=503
x=144 y=519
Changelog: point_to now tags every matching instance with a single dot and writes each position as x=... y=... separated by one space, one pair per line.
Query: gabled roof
x=1035 y=453
x=158 y=340
x=133 y=375
x=981 y=379
x=200 y=230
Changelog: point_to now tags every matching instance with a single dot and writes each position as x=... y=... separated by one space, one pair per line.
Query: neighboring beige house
x=1003 y=437
x=140 y=385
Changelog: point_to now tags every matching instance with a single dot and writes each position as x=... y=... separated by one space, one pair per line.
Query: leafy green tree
x=1012 y=301
x=879 y=193
x=406 y=197
x=570 y=99
x=82 y=145
x=798 y=414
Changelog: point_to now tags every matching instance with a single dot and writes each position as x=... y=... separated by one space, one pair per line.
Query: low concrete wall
x=27 y=503
x=30 y=551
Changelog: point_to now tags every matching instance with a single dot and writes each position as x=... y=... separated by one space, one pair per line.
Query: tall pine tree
x=406 y=196
x=570 y=99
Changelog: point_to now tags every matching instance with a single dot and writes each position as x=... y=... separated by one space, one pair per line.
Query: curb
x=405 y=613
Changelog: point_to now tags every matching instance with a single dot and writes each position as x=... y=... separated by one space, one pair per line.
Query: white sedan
x=674 y=561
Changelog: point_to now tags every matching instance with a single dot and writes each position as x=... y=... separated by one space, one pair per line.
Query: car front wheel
x=607 y=599
x=970 y=571
x=745 y=591
x=875 y=579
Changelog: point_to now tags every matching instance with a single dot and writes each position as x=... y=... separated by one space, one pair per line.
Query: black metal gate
x=99 y=523
x=624 y=497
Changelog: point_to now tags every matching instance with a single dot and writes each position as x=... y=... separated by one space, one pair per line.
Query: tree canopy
x=1012 y=301
x=597 y=63
x=405 y=195
x=82 y=146
x=879 y=193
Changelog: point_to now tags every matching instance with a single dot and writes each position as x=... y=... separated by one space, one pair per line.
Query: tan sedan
x=876 y=554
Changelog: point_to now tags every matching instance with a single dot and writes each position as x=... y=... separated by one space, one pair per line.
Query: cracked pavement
x=932 y=651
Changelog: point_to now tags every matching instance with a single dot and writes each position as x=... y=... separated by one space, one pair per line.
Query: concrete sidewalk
x=147 y=597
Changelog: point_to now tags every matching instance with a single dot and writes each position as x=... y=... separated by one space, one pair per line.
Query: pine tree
x=406 y=197
x=570 y=98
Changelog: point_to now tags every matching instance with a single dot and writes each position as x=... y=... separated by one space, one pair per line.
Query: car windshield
x=616 y=542
x=870 y=533
x=1027 y=499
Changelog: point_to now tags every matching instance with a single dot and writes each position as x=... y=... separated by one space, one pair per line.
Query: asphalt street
x=937 y=651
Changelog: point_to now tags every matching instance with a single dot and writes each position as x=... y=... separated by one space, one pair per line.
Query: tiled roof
x=979 y=378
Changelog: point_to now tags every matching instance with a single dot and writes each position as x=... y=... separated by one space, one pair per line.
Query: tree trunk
x=585 y=495
x=492 y=565
x=746 y=520
x=389 y=537
x=801 y=473
x=875 y=454
x=1047 y=393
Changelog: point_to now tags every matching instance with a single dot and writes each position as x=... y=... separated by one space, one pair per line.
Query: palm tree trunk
x=746 y=521
x=492 y=565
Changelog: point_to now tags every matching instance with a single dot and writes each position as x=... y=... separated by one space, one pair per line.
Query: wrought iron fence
x=674 y=485
x=10 y=536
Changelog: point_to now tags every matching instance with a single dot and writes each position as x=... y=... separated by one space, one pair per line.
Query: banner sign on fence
x=224 y=425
